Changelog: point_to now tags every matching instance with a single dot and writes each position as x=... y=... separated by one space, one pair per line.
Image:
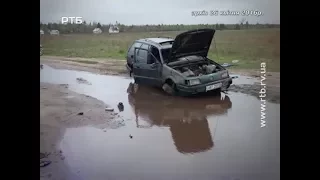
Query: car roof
x=160 y=42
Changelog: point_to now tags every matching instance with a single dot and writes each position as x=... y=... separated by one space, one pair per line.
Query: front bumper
x=201 y=88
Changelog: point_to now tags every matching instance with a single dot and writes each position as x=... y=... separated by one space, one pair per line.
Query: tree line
x=89 y=27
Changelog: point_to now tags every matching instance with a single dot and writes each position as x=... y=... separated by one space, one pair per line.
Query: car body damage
x=179 y=66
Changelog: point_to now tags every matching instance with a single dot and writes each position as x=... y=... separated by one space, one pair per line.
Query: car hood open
x=194 y=42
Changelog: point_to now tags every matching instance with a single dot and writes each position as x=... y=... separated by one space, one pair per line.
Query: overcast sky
x=158 y=11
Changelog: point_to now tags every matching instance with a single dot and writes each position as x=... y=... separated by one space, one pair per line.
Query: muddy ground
x=117 y=67
x=155 y=136
x=61 y=108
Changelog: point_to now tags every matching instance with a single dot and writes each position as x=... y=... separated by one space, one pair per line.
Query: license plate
x=213 y=86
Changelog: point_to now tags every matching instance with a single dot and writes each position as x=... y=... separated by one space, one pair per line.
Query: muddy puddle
x=252 y=86
x=170 y=137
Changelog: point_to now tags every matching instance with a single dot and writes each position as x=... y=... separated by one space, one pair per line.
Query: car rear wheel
x=130 y=69
x=136 y=81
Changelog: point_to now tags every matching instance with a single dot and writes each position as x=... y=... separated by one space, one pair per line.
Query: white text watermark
x=71 y=20
x=263 y=94
x=215 y=12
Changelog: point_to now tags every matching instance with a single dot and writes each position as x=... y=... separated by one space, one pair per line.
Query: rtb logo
x=72 y=20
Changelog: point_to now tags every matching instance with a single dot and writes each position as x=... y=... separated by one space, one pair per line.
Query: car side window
x=145 y=46
x=131 y=50
x=155 y=53
x=151 y=58
x=141 y=55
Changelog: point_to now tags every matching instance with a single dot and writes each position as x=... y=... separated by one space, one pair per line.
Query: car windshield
x=165 y=54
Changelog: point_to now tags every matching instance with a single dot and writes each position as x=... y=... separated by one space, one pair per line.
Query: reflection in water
x=192 y=138
x=185 y=117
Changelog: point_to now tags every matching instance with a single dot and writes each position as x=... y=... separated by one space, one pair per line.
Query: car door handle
x=138 y=67
x=153 y=65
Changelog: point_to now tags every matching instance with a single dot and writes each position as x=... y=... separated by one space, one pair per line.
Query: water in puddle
x=172 y=138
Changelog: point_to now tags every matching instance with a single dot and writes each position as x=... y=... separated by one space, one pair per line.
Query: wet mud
x=269 y=90
x=155 y=136
x=272 y=93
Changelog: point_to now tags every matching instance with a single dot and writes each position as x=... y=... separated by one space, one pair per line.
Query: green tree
x=237 y=27
x=222 y=26
x=99 y=25
x=241 y=22
x=49 y=26
x=257 y=25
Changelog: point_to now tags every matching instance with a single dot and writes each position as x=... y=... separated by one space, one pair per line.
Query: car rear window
x=145 y=46
x=166 y=43
x=141 y=56
x=134 y=45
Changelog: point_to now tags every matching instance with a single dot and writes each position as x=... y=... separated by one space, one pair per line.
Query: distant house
x=97 y=31
x=113 y=29
x=41 y=32
x=54 y=32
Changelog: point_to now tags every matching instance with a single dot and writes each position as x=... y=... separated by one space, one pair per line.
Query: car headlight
x=194 y=82
x=224 y=75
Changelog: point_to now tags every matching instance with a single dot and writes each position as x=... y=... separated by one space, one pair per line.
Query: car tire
x=130 y=69
x=136 y=81
x=169 y=89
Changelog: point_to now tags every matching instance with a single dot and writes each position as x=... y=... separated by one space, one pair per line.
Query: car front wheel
x=170 y=89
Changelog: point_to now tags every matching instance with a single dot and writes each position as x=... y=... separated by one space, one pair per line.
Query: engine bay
x=198 y=69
